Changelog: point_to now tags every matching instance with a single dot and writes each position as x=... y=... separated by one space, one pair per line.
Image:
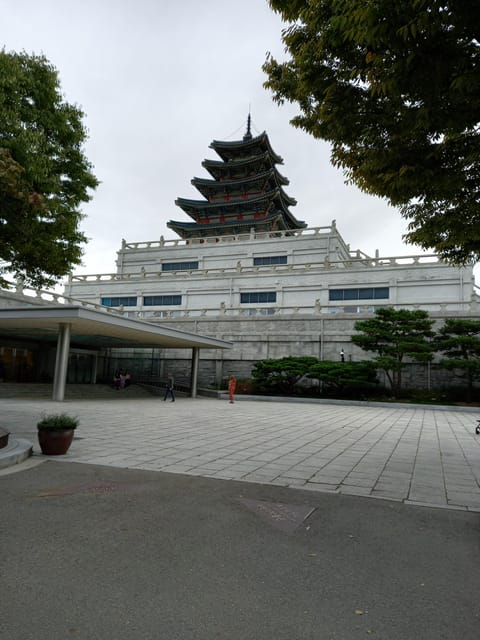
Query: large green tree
x=44 y=174
x=395 y=88
x=459 y=342
x=397 y=336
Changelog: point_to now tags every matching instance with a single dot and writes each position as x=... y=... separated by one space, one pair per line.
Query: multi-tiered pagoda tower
x=246 y=192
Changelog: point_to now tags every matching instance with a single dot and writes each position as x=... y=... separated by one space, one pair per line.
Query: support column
x=219 y=372
x=61 y=362
x=194 y=372
x=93 y=372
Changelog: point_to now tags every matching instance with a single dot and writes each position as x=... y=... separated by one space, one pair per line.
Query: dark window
x=365 y=293
x=350 y=294
x=267 y=260
x=381 y=292
x=336 y=294
x=179 y=266
x=254 y=297
x=120 y=301
x=159 y=301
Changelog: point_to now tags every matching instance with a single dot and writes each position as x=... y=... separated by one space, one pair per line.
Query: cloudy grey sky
x=158 y=80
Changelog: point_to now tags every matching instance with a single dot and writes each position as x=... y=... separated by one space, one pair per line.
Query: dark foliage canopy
x=459 y=343
x=397 y=336
x=280 y=375
x=340 y=375
x=44 y=175
x=395 y=88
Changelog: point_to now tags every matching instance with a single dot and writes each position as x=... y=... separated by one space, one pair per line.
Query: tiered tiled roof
x=245 y=192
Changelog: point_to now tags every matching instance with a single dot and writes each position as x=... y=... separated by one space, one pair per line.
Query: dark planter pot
x=55 y=442
x=3 y=438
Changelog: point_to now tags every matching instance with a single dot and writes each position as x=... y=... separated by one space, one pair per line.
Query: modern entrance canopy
x=95 y=329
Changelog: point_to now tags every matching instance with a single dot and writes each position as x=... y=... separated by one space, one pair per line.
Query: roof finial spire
x=248 y=135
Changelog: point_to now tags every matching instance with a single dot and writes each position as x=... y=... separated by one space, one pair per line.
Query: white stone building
x=248 y=272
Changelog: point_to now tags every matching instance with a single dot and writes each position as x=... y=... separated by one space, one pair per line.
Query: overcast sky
x=159 y=80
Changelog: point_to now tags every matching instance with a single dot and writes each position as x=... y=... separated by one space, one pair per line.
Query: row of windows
x=148 y=301
x=250 y=297
x=366 y=293
x=159 y=301
x=193 y=265
x=372 y=293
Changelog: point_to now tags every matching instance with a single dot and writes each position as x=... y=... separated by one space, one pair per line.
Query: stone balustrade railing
x=241 y=312
x=393 y=261
x=44 y=297
x=241 y=237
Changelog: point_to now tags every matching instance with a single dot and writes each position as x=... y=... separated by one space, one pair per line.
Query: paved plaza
x=200 y=519
x=425 y=456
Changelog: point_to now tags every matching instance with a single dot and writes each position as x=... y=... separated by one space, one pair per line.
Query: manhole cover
x=286 y=517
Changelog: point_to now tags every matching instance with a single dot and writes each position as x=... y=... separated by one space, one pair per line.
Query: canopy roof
x=94 y=329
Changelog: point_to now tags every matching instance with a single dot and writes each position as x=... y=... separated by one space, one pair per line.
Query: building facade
x=247 y=271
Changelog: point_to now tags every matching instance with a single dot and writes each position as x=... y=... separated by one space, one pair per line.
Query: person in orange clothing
x=232 y=383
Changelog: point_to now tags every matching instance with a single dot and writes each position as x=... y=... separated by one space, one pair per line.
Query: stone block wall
x=257 y=338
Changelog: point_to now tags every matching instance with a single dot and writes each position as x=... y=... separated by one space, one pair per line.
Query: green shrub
x=281 y=375
x=57 y=422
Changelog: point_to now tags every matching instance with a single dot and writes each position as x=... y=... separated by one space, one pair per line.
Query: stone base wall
x=258 y=338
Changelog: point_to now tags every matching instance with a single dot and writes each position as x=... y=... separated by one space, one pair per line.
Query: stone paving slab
x=414 y=455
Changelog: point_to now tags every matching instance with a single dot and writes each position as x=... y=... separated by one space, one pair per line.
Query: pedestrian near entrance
x=169 y=389
x=232 y=383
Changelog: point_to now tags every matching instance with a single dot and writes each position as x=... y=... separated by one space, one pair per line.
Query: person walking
x=169 y=389
x=232 y=383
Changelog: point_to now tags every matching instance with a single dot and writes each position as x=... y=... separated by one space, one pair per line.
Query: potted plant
x=55 y=433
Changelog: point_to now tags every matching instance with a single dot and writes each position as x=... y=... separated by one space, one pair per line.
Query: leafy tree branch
x=395 y=88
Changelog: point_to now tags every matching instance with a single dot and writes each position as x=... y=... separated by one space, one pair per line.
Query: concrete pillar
x=219 y=371
x=93 y=374
x=61 y=362
x=194 y=373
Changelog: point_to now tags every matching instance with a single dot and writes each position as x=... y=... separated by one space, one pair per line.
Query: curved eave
x=198 y=206
x=254 y=215
x=219 y=167
x=208 y=187
x=232 y=227
x=227 y=150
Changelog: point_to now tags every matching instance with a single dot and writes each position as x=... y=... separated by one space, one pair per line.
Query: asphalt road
x=94 y=552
